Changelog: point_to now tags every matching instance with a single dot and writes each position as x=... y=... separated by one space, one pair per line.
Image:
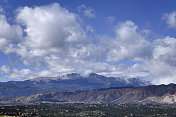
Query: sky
x=121 y=38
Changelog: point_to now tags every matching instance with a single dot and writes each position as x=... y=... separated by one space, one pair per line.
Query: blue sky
x=130 y=38
x=145 y=14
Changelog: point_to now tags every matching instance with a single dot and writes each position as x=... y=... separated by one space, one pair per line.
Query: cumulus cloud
x=10 y=73
x=3 y=43
x=165 y=50
x=87 y=11
x=160 y=73
x=9 y=32
x=52 y=24
x=162 y=67
x=52 y=40
x=13 y=73
x=51 y=30
x=170 y=19
x=128 y=44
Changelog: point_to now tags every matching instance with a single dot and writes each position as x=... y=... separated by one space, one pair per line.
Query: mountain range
x=66 y=82
x=93 y=88
x=165 y=94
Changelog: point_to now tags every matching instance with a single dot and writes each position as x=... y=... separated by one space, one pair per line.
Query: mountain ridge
x=163 y=94
x=67 y=82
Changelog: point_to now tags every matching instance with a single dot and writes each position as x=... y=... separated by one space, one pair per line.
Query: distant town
x=88 y=110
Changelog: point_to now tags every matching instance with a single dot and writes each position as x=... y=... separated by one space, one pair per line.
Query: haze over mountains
x=67 y=82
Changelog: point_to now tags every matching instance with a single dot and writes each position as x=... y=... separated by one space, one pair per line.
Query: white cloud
x=49 y=26
x=51 y=30
x=5 y=69
x=3 y=43
x=129 y=44
x=170 y=19
x=162 y=67
x=55 y=41
x=87 y=11
x=161 y=73
x=12 y=73
x=165 y=50
x=9 y=32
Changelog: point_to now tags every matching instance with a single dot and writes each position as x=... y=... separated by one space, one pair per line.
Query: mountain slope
x=67 y=82
x=150 y=94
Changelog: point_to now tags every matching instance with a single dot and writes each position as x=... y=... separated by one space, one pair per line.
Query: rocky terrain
x=165 y=94
x=94 y=88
